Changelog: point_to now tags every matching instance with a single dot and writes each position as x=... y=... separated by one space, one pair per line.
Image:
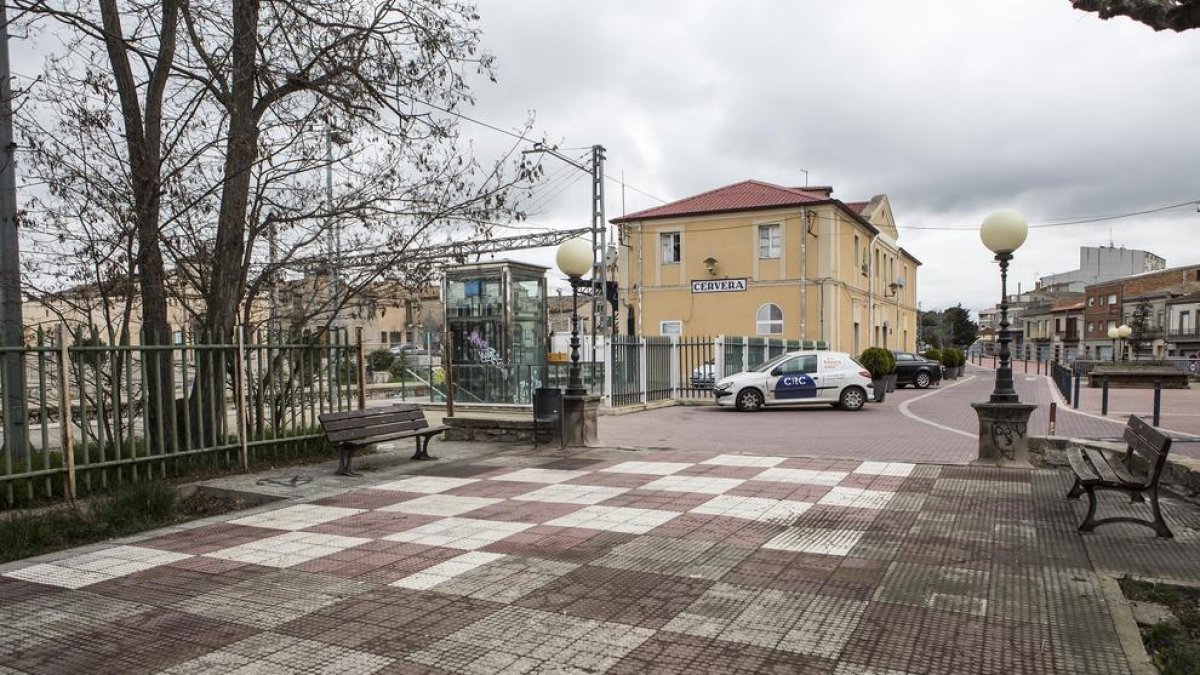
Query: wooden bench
x=1094 y=469
x=354 y=429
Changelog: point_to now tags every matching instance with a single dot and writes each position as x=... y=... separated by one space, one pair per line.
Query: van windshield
x=769 y=365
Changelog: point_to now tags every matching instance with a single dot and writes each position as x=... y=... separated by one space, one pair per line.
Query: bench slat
x=373 y=420
x=1126 y=477
x=1100 y=462
x=1149 y=443
x=376 y=430
x=1080 y=465
x=348 y=414
x=372 y=440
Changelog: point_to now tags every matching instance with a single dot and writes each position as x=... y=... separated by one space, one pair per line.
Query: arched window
x=769 y=320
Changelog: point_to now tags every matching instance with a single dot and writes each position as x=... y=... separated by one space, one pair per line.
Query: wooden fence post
x=239 y=382
x=64 y=410
x=362 y=368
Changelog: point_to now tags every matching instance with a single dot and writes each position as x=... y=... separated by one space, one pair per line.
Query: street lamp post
x=574 y=258
x=1003 y=419
x=1003 y=232
x=1124 y=332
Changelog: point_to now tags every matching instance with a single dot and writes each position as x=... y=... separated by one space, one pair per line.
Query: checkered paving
x=674 y=563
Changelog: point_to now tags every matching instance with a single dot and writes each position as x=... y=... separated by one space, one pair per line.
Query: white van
x=802 y=377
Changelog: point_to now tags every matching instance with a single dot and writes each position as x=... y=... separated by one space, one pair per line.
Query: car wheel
x=852 y=398
x=749 y=399
x=922 y=381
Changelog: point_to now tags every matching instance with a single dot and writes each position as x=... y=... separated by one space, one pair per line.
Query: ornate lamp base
x=579 y=420
x=1004 y=434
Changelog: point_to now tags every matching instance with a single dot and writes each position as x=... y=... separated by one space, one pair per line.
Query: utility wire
x=1063 y=222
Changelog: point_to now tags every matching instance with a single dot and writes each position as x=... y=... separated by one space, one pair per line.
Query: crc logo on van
x=795 y=386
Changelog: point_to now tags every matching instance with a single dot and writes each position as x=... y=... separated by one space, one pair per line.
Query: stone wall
x=497 y=430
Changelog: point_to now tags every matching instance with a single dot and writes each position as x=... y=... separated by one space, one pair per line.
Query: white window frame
x=768 y=326
x=674 y=327
x=675 y=249
x=1112 y=298
x=774 y=240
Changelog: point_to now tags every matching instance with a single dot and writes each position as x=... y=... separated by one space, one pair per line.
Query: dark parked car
x=916 y=370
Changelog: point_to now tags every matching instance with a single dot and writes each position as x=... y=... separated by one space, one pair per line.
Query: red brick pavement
x=693 y=567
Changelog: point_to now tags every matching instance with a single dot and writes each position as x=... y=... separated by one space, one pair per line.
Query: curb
x=1127 y=630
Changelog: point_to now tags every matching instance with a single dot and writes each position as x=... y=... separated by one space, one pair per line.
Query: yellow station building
x=757 y=259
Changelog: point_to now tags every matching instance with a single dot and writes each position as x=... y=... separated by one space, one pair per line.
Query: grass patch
x=127 y=510
x=1173 y=645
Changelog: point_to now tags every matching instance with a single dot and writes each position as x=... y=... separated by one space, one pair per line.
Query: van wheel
x=749 y=400
x=853 y=398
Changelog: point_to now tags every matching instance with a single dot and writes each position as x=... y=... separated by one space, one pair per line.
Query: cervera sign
x=719 y=286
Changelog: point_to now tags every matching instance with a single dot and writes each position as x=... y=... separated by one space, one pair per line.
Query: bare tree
x=1176 y=15
x=228 y=111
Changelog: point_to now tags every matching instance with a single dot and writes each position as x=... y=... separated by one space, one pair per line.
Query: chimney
x=824 y=191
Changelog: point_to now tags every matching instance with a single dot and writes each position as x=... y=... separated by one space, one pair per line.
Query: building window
x=1091 y=327
x=1091 y=301
x=1112 y=298
x=670 y=328
x=1185 y=322
x=670 y=247
x=768 y=241
x=769 y=320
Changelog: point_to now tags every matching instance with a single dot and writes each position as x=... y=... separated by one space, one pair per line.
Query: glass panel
x=473 y=297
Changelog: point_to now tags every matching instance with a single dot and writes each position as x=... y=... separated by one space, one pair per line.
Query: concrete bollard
x=1104 y=395
x=1157 y=400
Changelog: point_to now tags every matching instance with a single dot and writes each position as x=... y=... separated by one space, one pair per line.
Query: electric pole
x=599 y=232
x=12 y=338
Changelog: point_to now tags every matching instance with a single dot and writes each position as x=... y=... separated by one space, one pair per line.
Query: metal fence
x=647 y=369
x=1062 y=379
x=100 y=414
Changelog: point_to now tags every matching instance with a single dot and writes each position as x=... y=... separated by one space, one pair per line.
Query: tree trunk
x=142 y=137
x=228 y=279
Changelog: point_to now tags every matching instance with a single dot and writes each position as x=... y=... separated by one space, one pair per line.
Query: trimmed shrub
x=878 y=361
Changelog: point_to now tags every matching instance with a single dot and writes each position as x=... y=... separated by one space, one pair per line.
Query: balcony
x=1184 y=334
x=1069 y=336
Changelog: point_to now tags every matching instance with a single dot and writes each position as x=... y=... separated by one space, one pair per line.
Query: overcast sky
x=953 y=109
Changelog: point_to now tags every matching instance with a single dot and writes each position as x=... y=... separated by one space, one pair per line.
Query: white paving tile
x=288 y=549
x=444 y=571
x=541 y=475
x=615 y=519
x=55 y=575
x=296 y=517
x=752 y=508
x=705 y=485
x=97 y=566
x=816 y=540
x=425 y=484
x=744 y=460
x=441 y=505
x=566 y=493
x=806 y=476
x=648 y=468
x=857 y=498
x=464 y=533
x=902 y=469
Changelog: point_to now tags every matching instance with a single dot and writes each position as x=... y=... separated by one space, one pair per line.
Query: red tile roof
x=857 y=207
x=747 y=195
